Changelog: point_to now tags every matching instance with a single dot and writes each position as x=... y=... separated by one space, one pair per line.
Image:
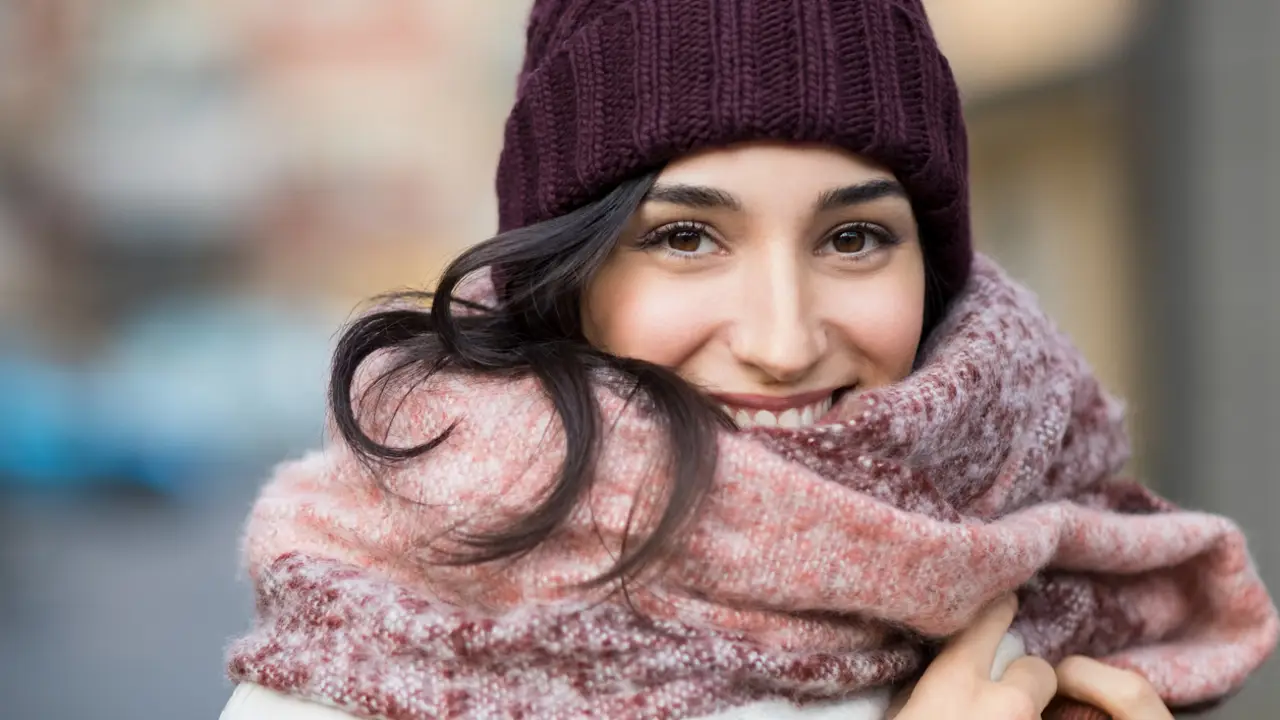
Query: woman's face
x=774 y=276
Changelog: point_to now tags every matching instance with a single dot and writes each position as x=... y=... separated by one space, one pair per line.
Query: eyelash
x=883 y=237
x=655 y=238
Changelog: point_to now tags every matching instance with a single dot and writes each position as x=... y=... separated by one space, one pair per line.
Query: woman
x=729 y=422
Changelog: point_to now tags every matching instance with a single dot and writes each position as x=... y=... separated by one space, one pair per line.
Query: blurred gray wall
x=1207 y=77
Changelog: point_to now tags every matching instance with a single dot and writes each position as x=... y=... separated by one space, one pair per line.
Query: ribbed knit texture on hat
x=614 y=88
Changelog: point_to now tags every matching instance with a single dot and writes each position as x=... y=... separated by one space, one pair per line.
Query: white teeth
x=790 y=418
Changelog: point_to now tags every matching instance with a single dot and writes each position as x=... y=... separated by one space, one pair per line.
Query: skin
x=1123 y=694
x=957 y=685
x=771 y=274
x=751 y=287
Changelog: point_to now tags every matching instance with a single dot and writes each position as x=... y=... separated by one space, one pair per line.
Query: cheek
x=881 y=323
x=640 y=316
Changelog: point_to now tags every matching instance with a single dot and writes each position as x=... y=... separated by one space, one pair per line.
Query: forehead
x=751 y=168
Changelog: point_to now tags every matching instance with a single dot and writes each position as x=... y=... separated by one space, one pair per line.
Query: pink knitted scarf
x=823 y=562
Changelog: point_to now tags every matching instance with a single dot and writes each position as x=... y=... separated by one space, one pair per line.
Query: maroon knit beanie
x=615 y=88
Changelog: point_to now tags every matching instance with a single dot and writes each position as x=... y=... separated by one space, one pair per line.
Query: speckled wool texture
x=822 y=564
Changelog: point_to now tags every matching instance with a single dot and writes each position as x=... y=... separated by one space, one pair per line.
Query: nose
x=778 y=333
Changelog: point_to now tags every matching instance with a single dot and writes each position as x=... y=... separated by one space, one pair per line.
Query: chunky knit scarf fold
x=824 y=562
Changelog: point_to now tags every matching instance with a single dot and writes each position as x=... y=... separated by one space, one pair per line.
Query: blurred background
x=195 y=194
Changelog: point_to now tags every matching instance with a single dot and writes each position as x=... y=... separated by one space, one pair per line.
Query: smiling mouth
x=750 y=411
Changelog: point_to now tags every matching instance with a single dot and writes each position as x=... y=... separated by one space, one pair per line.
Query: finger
x=1125 y=695
x=975 y=647
x=1033 y=677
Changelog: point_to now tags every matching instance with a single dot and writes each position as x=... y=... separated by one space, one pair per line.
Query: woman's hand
x=1124 y=695
x=957 y=685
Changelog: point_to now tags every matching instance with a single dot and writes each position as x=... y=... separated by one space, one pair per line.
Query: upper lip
x=773 y=403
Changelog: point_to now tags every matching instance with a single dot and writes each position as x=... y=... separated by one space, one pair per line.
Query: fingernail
x=1011 y=648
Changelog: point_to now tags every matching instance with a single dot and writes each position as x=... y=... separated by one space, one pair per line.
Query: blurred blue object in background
x=46 y=441
x=183 y=395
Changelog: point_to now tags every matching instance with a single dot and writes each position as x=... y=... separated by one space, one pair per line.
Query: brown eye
x=858 y=241
x=685 y=240
x=851 y=240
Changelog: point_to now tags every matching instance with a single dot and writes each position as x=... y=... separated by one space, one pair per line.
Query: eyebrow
x=709 y=198
x=866 y=192
x=695 y=196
